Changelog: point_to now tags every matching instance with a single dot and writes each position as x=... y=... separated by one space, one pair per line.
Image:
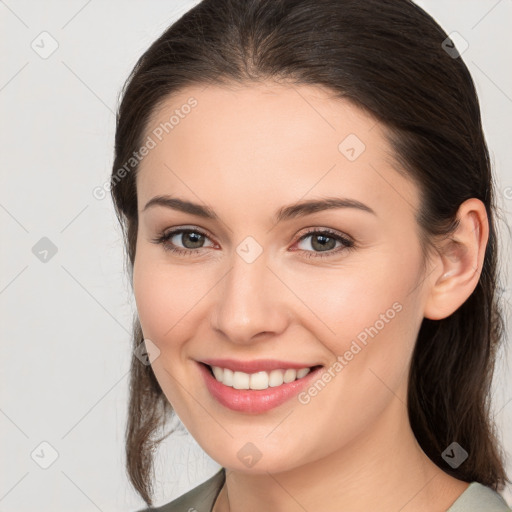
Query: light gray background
x=66 y=322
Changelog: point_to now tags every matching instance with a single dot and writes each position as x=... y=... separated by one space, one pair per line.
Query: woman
x=309 y=218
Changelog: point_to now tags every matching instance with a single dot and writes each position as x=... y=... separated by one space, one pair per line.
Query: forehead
x=251 y=113
x=270 y=140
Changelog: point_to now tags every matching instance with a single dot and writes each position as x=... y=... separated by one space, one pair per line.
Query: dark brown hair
x=388 y=58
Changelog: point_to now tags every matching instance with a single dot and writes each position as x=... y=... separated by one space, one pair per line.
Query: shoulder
x=198 y=499
x=479 y=497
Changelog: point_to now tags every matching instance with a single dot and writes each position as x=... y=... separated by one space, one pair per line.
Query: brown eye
x=191 y=241
x=324 y=241
x=320 y=242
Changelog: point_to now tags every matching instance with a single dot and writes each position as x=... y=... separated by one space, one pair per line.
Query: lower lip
x=254 y=400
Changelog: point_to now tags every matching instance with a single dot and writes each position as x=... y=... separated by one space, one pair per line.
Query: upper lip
x=256 y=365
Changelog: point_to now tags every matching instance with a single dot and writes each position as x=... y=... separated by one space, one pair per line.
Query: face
x=256 y=279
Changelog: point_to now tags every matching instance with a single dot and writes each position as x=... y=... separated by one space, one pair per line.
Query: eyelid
x=318 y=230
x=186 y=227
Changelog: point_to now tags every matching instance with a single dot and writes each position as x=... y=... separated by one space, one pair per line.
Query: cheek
x=164 y=298
x=346 y=302
x=168 y=297
x=153 y=303
x=366 y=313
x=158 y=305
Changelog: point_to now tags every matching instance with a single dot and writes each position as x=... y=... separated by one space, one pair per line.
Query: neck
x=383 y=469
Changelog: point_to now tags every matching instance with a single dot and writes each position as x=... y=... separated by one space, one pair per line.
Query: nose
x=251 y=303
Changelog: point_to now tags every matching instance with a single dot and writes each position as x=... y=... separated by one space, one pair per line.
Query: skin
x=247 y=151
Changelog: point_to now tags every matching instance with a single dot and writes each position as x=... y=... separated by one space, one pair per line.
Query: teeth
x=302 y=373
x=259 y=380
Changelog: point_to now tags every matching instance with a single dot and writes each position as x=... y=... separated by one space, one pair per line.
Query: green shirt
x=476 y=498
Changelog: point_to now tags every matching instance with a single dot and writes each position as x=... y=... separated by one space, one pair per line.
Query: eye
x=325 y=240
x=192 y=240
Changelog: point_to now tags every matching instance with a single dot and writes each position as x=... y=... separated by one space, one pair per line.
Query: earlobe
x=461 y=258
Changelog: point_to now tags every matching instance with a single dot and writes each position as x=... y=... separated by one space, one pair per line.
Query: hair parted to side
x=386 y=57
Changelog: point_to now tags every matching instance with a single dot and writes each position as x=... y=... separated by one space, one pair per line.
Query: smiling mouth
x=260 y=380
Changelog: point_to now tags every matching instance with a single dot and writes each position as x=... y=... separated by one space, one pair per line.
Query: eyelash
x=348 y=244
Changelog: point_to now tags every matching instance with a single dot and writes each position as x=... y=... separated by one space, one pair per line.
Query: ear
x=459 y=262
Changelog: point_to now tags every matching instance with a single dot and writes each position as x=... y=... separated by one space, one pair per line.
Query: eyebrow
x=299 y=209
